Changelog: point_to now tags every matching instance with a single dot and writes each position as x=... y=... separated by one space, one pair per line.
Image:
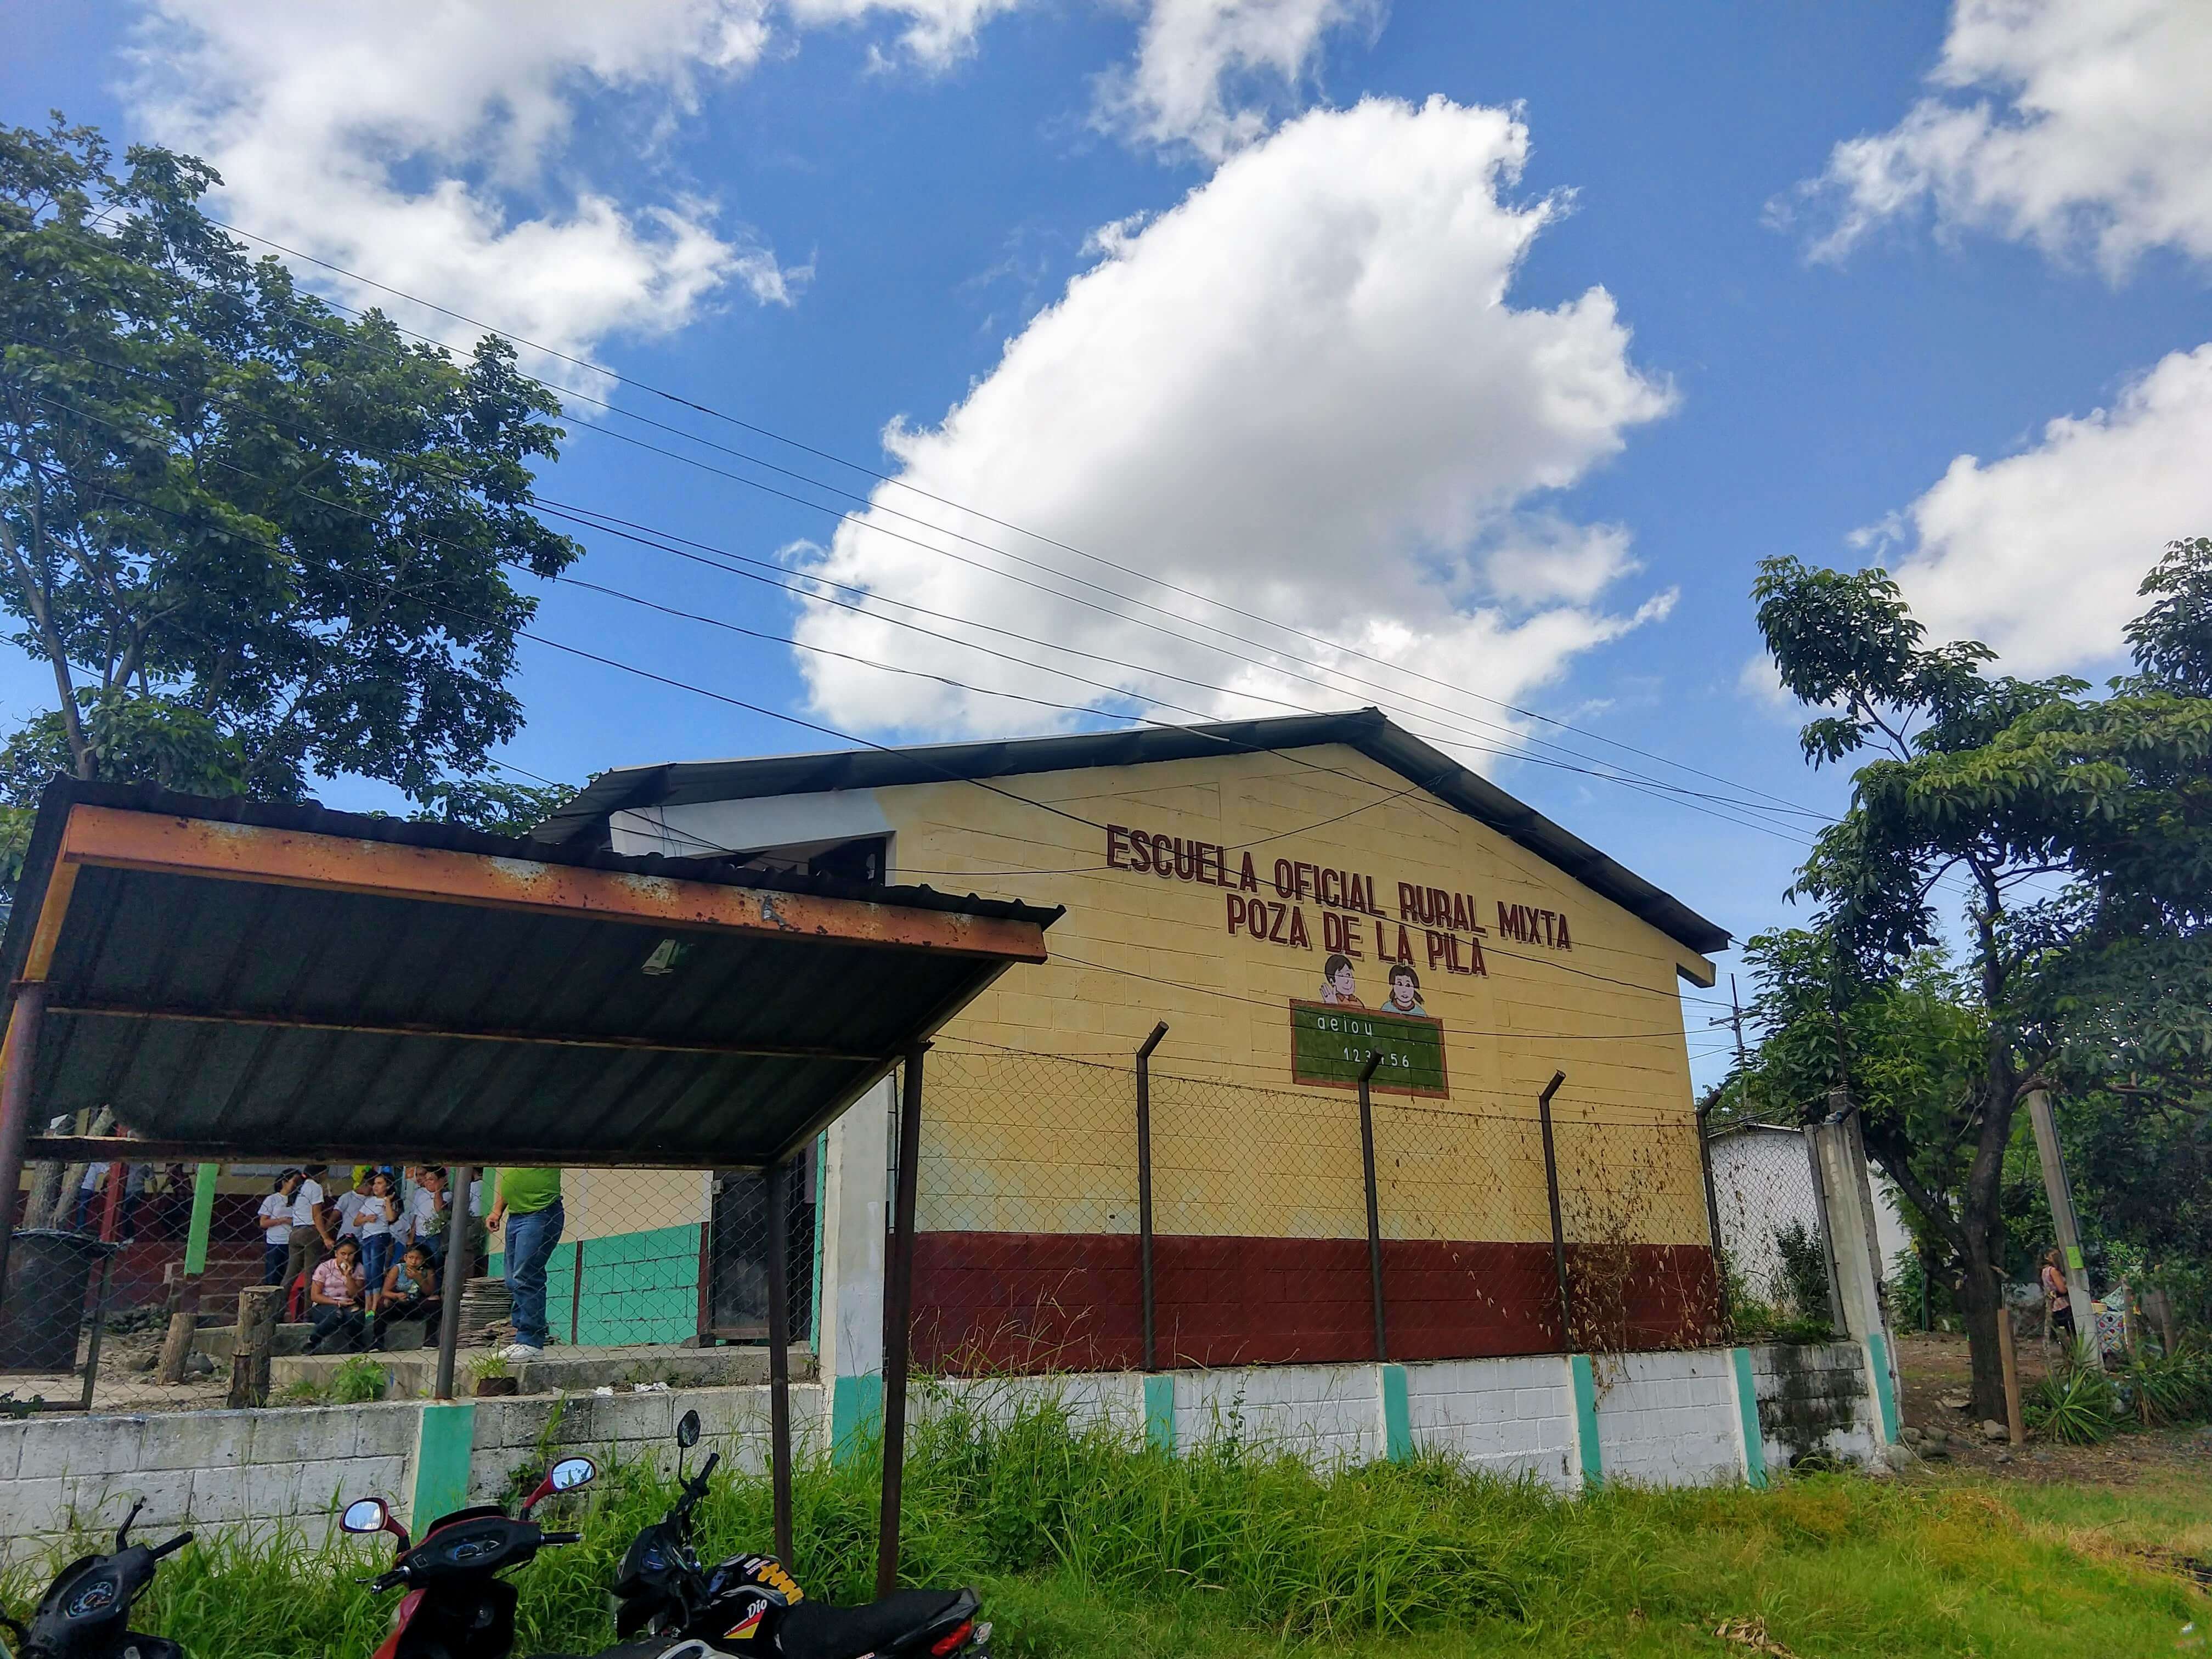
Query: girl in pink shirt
x=334 y=1296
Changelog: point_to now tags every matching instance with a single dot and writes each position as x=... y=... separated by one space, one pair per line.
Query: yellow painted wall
x=1020 y=1144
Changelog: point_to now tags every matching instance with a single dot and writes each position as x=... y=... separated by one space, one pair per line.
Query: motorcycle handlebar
x=172 y=1546
x=562 y=1538
x=385 y=1580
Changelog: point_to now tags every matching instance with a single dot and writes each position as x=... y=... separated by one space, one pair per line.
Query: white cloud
x=1207 y=71
x=416 y=141
x=2039 y=553
x=937 y=32
x=2063 y=123
x=1303 y=391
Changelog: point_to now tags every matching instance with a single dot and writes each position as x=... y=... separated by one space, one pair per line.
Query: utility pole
x=1734 y=1018
x=2063 y=1220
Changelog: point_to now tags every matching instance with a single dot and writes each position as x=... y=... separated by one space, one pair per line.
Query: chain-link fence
x=351 y=1261
x=1074 y=1215
x=1774 y=1245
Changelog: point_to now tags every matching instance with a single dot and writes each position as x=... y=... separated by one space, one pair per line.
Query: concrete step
x=414 y=1375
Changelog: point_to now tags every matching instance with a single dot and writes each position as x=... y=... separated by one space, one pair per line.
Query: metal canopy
x=239 y=979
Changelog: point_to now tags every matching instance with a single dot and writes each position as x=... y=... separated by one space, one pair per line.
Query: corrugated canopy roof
x=1367 y=730
x=241 y=979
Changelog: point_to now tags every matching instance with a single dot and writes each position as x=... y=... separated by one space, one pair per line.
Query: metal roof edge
x=1370 y=731
x=310 y=817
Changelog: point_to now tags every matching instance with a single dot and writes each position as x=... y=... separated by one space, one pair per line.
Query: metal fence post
x=1558 y=1226
x=898 y=1320
x=577 y=1298
x=1374 y=1209
x=99 y=1326
x=1145 y=1191
x=25 y=1018
x=456 y=1281
x=1713 y=1218
x=775 y=1179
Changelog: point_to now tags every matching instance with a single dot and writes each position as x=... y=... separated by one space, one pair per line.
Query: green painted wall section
x=638 y=1287
x=1746 y=1403
x=856 y=1415
x=1585 y=1387
x=443 y=1441
x=1885 y=1394
x=1397 y=1416
x=1159 y=1414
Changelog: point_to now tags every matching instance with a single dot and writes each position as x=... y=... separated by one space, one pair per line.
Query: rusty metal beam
x=559 y=1039
x=113 y=838
x=296 y=1145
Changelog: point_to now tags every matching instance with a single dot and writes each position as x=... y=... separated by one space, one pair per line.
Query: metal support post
x=1559 y=1224
x=1145 y=1191
x=99 y=1326
x=1374 y=1209
x=1713 y=1218
x=456 y=1282
x=898 y=1322
x=17 y=1070
x=2060 y=1191
x=776 y=1180
x=576 y=1296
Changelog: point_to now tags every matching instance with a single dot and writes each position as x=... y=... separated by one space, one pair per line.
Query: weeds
x=1088 y=1544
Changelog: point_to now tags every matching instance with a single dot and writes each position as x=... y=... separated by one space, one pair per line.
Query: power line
x=898 y=482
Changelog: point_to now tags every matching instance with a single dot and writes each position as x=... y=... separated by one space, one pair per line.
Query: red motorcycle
x=457 y=1606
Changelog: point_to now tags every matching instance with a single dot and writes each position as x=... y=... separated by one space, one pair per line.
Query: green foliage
x=1993 y=783
x=495 y=806
x=255 y=542
x=2169 y=1387
x=1085 y=1544
x=2075 y=1405
x=357 y=1381
x=1804 y=1270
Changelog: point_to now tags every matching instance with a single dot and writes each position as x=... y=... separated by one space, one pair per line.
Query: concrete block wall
x=1669 y=1419
x=259 y=1472
x=1510 y=1417
x=631 y=1428
x=1815 y=1399
x=1660 y=1420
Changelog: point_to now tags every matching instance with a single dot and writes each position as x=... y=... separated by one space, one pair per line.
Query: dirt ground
x=1933 y=1365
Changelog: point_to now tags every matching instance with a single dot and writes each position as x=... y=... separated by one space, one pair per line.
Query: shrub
x=2075 y=1405
x=359 y=1380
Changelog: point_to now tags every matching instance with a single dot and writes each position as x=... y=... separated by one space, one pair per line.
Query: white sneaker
x=520 y=1351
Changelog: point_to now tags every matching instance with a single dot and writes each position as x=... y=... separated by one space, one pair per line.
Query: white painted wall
x=1510 y=1417
x=1669 y=1419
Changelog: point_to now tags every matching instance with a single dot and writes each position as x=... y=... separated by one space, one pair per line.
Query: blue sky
x=1509 y=379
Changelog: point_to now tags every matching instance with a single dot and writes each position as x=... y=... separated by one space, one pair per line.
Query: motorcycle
x=750 y=1604
x=86 y=1612
x=457 y=1606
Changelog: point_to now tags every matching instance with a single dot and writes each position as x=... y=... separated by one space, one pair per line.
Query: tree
x=493 y=805
x=2000 y=784
x=254 y=541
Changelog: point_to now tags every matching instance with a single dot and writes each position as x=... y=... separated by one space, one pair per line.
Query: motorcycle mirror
x=365 y=1515
x=687 y=1431
x=571 y=1472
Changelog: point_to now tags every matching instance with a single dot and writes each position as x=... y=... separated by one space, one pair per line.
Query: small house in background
x=1769 y=1217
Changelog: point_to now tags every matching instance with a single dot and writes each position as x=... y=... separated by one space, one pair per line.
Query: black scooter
x=86 y=1612
x=749 y=1604
x=457 y=1606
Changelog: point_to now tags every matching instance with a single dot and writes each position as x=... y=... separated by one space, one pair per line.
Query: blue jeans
x=530 y=1242
x=273 y=1257
x=375 y=1257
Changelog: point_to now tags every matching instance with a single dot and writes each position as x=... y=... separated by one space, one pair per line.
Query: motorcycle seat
x=813 y=1630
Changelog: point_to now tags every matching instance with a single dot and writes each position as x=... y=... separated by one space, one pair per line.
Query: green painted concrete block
x=1747 y=1400
x=1584 y=1381
x=1397 y=1416
x=856 y=1415
x=1159 y=1414
x=444 y=1442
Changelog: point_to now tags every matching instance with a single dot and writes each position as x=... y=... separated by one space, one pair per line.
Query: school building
x=1287 y=897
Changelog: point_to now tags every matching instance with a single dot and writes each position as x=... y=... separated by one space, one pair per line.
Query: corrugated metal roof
x=1367 y=730
x=251 y=1008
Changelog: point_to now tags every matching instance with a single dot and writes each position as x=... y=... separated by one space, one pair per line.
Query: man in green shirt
x=529 y=1202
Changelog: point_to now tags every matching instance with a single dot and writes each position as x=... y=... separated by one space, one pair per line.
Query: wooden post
x=2060 y=1191
x=1374 y=1209
x=1559 y=1223
x=898 y=1322
x=184 y=1305
x=2015 y=1423
x=16 y=1072
x=255 y=1340
x=775 y=1178
x=456 y=1281
x=1145 y=1191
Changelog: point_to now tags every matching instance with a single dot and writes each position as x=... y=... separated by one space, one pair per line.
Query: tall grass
x=1085 y=1542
